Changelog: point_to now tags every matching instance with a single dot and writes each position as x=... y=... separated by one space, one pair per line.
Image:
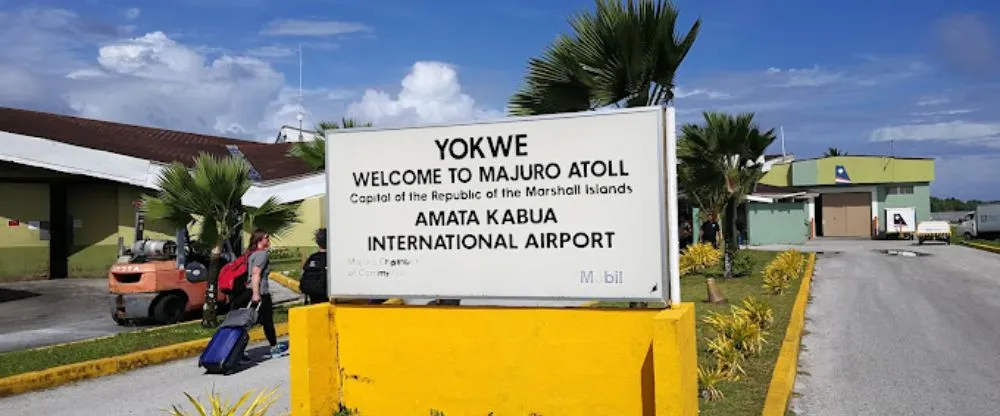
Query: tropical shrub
x=698 y=257
x=775 y=282
x=709 y=380
x=760 y=312
x=742 y=263
x=258 y=406
x=727 y=357
x=283 y=253
x=791 y=260
x=779 y=274
x=746 y=336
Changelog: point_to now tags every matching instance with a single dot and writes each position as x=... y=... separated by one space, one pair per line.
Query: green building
x=838 y=196
x=68 y=185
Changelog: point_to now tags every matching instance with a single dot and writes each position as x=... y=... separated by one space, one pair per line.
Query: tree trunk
x=730 y=236
x=209 y=318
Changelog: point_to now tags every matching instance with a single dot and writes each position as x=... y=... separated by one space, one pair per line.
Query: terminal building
x=837 y=196
x=69 y=184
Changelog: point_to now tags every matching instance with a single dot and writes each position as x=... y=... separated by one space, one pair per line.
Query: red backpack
x=233 y=272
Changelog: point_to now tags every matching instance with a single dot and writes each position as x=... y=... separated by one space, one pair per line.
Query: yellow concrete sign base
x=409 y=360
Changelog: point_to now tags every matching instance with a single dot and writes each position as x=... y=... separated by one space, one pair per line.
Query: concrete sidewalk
x=151 y=390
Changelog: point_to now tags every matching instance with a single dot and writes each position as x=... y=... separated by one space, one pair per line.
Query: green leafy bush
x=742 y=263
x=760 y=312
x=779 y=274
x=728 y=358
x=698 y=257
x=709 y=380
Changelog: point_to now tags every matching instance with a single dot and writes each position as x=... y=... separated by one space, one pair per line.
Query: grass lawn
x=289 y=267
x=746 y=396
x=991 y=243
x=23 y=361
x=957 y=239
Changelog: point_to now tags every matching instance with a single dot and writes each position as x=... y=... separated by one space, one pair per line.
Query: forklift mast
x=140 y=221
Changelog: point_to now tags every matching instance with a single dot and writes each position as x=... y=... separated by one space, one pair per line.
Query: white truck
x=983 y=223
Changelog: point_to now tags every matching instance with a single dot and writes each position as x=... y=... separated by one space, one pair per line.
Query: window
x=899 y=190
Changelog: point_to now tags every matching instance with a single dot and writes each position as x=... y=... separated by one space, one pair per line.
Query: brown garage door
x=847 y=214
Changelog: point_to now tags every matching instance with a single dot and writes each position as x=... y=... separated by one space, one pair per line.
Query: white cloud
x=431 y=93
x=149 y=80
x=943 y=112
x=160 y=82
x=154 y=80
x=132 y=13
x=931 y=101
x=712 y=95
x=271 y=51
x=297 y=27
x=961 y=131
x=805 y=77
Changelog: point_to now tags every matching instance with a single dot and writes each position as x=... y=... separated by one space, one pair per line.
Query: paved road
x=891 y=335
x=150 y=390
x=39 y=313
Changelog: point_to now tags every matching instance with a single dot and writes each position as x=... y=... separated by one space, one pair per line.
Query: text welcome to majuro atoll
x=513 y=182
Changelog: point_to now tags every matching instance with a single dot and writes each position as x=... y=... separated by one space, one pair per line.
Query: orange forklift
x=161 y=280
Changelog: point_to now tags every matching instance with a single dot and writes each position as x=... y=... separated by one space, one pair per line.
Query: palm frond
x=313 y=152
x=623 y=54
x=273 y=217
x=723 y=147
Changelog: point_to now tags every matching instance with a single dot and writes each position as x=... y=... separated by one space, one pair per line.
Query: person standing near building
x=710 y=231
x=259 y=264
x=314 y=274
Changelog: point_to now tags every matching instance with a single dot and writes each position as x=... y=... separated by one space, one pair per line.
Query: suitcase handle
x=250 y=305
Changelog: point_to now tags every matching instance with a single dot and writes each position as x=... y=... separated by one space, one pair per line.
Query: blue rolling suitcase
x=224 y=351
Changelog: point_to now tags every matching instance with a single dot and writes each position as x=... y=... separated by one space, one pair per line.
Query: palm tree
x=313 y=152
x=624 y=54
x=727 y=154
x=833 y=151
x=700 y=182
x=212 y=193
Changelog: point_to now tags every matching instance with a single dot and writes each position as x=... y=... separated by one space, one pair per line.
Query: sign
x=568 y=206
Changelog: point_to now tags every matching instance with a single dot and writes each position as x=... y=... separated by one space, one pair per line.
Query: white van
x=983 y=223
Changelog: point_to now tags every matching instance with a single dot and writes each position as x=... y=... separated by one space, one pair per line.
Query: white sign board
x=568 y=206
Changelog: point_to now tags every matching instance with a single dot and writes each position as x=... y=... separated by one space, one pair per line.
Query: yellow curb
x=983 y=247
x=57 y=376
x=779 y=392
x=285 y=281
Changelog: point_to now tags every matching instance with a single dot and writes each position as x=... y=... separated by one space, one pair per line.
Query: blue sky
x=847 y=74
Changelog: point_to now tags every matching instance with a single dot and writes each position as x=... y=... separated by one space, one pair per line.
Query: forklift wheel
x=169 y=308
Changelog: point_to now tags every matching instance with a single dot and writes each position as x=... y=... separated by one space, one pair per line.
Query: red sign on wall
x=13 y=223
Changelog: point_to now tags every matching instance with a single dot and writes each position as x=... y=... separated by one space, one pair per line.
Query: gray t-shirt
x=260 y=259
